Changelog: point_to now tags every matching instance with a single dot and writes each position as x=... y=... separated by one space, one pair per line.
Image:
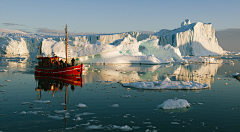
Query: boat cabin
x=48 y=61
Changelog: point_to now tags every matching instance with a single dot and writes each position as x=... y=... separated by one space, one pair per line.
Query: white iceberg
x=174 y=104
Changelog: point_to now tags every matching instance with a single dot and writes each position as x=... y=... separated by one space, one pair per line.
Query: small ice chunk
x=56 y=117
x=235 y=74
x=123 y=128
x=78 y=119
x=2 y=90
x=81 y=105
x=126 y=96
x=94 y=127
x=63 y=104
x=147 y=122
x=175 y=123
x=174 y=104
x=60 y=111
x=32 y=112
x=41 y=101
x=86 y=124
x=23 y=103
x=114 y=105
x=23 y=113
x=3 y=70
x=85 y=113
x=7 y=80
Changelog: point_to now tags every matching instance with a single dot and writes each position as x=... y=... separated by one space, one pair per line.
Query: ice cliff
x=170 y=45
x=192 y=39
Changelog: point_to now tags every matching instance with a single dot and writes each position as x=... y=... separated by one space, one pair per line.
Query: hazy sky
x=115 y=16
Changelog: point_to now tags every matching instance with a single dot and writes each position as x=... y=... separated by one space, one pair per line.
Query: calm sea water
x=213 y=109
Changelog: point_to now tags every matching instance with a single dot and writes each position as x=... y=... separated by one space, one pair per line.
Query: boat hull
x=69 y=71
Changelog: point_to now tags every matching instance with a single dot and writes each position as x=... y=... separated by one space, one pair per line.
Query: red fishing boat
x=51 y=66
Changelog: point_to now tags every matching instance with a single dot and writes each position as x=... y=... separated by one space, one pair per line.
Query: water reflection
x=201 y=73
x=23 y=61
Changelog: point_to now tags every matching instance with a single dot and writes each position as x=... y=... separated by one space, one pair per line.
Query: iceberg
x=192 y=39
x=165 y=46
x=174 y=104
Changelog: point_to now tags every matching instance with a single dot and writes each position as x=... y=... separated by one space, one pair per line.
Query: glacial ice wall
x=192 y=39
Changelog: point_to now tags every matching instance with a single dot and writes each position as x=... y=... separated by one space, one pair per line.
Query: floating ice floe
x=78 y=119
x=3 y=70
x=235 y=74
x=2 y=90
x=168 y=84
x=94 y=127
x=123 y=128
x=23 y=103
x=114 y=105
x=56 y=117
x=86 y=124
x=60 y=111
x=41 y=101
x=174 y=104
x=32 y=112
x=126 y=96
x=85 y=113
x=23 y=113
x=7 y=80
x=81 y=105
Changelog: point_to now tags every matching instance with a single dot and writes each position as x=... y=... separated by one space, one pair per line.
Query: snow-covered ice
x=174 y=104
x=168 y=84
x=81 y=105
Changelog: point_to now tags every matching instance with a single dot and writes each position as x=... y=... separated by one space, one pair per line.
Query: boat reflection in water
x=54 y=84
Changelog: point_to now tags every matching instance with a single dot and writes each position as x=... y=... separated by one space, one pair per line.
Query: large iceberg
x=131 y=47
x=192 y=39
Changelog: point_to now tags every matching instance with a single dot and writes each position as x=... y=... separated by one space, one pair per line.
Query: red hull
x=69 y=71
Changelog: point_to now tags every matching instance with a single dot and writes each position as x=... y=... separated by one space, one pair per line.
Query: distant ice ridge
x=192 y=39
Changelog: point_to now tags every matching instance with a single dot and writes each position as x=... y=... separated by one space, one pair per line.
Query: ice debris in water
x=78 y=119
x=175 y=123
x=3 y=70
x=60 y=111
x=85 y=113
x=23 y=103
x=23 y=113
x=56 y=117
x=41 y=101
x=86 y=124
x=126 y=96
x=94 y=127
x=123 y=128
x=81 y=105
x=168 y=84
x=7 y=80
x=2 y=90
x=235 y=74
x=174 y=104
x=114 y=105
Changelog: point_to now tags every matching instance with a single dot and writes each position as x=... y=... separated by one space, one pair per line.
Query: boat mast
x=66 y=43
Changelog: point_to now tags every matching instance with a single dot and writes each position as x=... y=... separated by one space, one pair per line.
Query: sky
x=114 y=16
